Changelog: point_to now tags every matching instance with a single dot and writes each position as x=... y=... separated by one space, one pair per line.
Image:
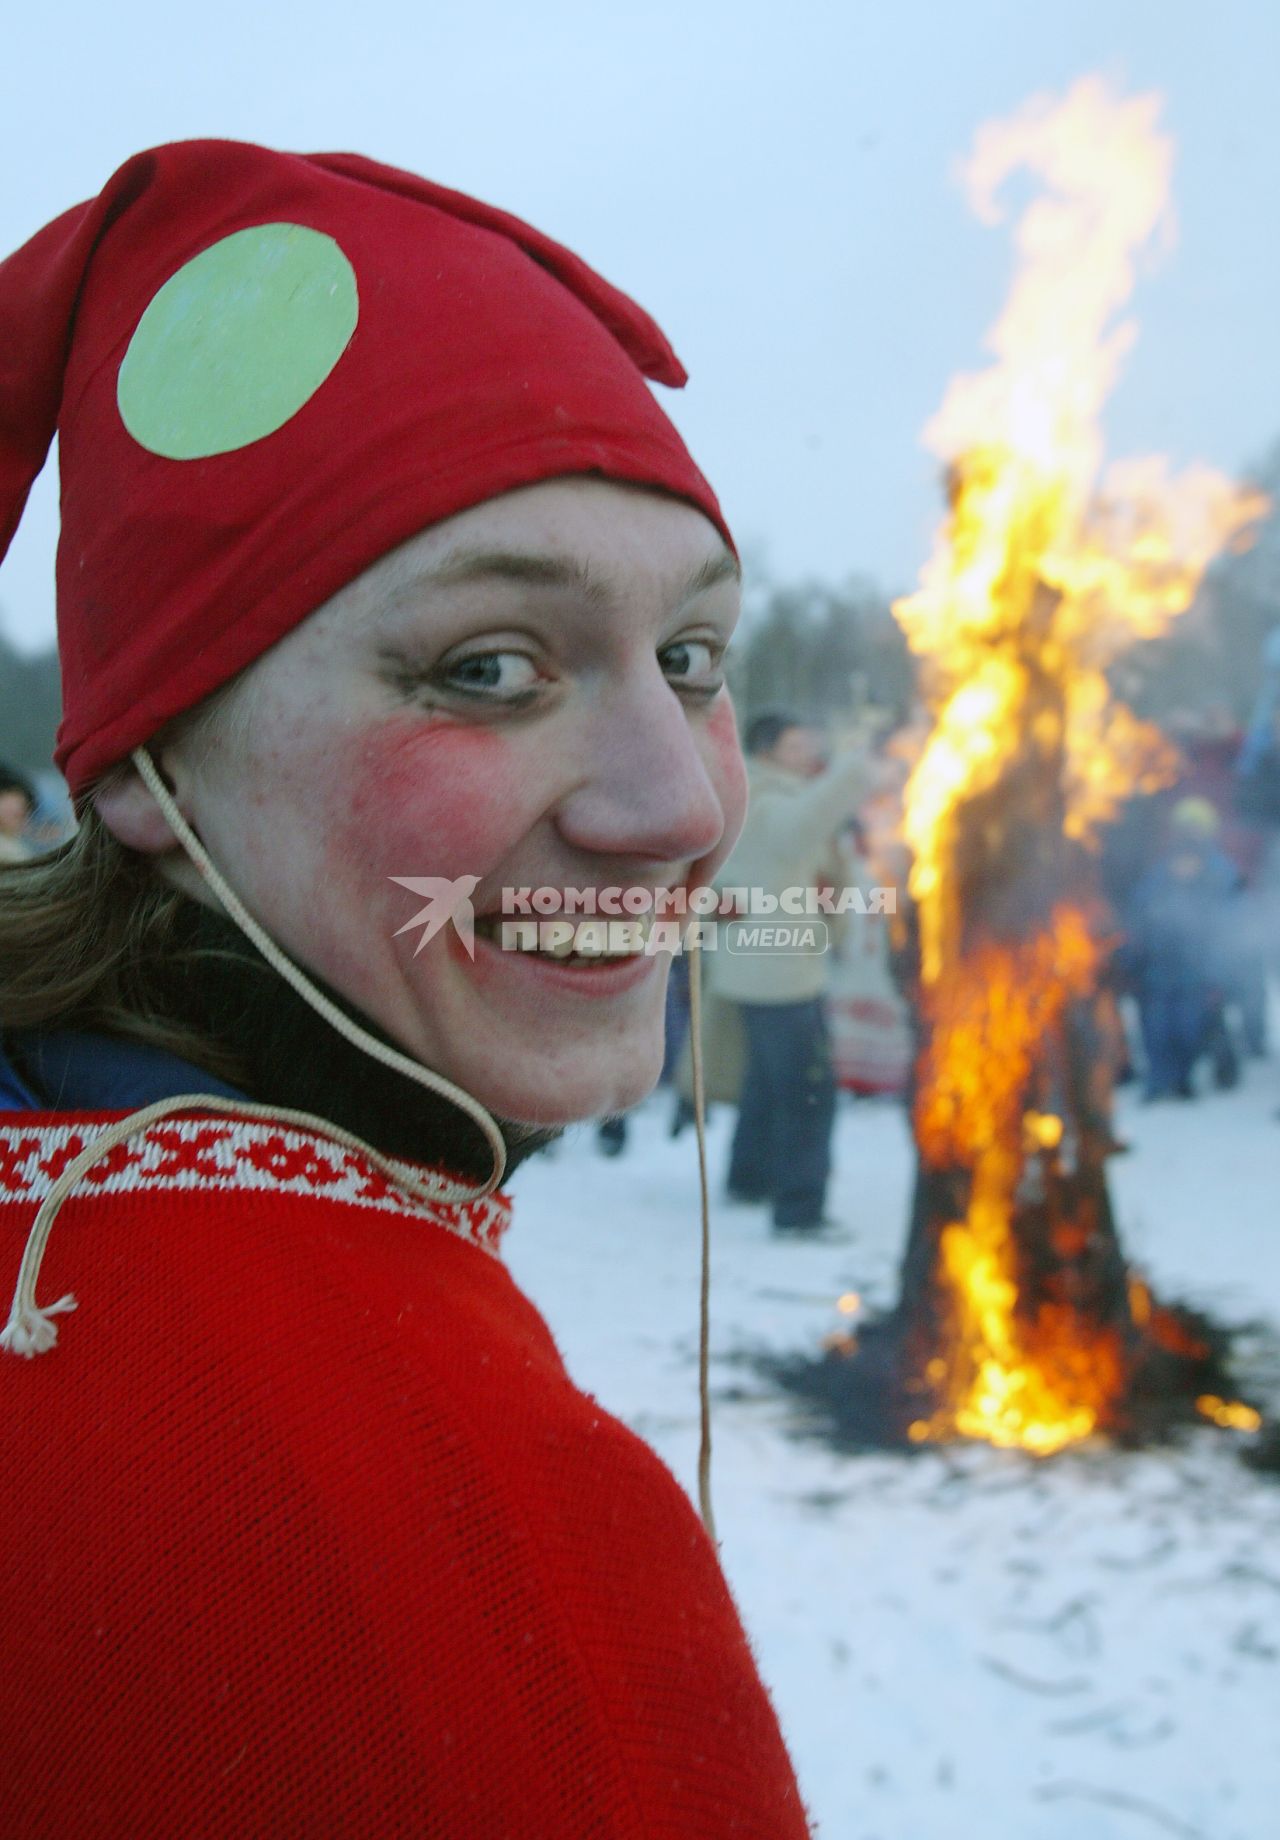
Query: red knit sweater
x=307 y=1532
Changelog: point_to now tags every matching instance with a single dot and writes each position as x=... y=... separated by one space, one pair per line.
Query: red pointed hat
x=265 y=370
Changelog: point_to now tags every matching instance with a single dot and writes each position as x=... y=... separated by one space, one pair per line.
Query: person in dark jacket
x=1178 y=948
x=1258 y=766
x=1257 y=802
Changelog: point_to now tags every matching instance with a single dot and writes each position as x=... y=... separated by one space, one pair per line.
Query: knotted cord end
x=29 y=1331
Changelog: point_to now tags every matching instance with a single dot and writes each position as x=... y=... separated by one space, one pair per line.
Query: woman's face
x=529 y=694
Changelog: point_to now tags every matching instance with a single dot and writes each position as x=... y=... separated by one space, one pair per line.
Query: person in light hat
x=385 y=586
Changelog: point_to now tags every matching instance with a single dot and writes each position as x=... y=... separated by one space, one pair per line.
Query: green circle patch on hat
x=235 y=343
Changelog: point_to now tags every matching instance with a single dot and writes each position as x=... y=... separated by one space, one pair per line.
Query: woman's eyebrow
x=532 y=568
x=724 y=566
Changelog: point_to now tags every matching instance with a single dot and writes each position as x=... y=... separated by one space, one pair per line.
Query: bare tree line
x=30 y=706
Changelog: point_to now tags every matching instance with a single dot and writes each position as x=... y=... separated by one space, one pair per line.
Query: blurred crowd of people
x=1193 y=876
x=1188 y=958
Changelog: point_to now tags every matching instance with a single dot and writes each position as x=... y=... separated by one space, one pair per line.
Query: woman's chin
x=538 y=1095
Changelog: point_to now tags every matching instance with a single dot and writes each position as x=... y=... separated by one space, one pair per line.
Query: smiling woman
x=442 y=616
x=508 y=696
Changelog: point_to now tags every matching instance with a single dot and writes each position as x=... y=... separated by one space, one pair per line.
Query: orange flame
x=1049 y=564
x=1231 y=1414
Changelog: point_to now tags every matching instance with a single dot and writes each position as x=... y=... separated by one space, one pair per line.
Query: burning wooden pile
x=1018 y=1320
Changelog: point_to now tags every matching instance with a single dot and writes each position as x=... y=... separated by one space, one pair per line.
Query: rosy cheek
x=430 y=799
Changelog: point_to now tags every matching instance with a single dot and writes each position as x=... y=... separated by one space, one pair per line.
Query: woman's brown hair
x=91 y=938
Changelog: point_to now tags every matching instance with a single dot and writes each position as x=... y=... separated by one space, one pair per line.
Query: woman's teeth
x=583 y=943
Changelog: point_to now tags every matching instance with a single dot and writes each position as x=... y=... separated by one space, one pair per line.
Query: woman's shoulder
x=74 y=1070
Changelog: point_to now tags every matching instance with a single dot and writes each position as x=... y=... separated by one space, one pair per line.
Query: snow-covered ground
x=965 y=1643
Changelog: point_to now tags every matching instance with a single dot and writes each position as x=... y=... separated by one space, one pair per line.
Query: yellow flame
x=1042 y=1130
x=988 y=1019
x=1049 y=564
x=1139 y=1300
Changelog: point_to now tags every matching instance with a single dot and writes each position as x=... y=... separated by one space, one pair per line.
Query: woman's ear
x=124 y=803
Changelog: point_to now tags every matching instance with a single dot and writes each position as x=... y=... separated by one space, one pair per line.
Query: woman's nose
x=646 y=789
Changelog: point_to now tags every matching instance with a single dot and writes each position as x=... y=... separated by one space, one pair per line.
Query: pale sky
x=775 y=184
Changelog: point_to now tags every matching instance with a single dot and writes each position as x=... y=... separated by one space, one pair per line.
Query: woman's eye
x=503 y=676
x=693 y=665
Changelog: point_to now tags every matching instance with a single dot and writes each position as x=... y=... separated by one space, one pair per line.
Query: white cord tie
x=29 y=1330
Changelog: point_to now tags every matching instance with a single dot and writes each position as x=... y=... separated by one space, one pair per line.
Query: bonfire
x=1019 y=1321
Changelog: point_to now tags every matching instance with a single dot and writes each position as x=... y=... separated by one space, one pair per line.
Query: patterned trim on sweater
x=196 y=1153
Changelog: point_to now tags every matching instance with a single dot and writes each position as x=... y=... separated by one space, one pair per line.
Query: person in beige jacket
x=782 y=1145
